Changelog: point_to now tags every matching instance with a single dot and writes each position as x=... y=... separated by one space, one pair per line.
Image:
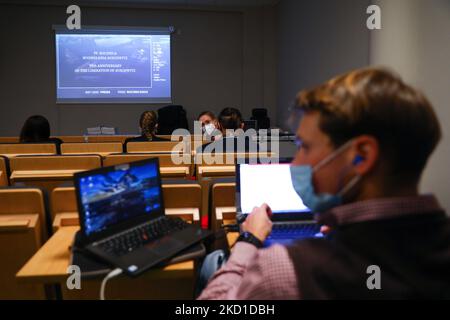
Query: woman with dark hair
x=148 y=124
x=230 y=119
x=36 y=129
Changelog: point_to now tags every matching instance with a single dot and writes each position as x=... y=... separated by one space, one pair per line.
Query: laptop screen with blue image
x=271 y=184
x=117 y=194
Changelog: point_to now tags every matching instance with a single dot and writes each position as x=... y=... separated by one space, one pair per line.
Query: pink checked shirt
x=268 y=274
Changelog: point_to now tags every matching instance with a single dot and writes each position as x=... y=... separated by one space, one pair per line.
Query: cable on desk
x=109 y=276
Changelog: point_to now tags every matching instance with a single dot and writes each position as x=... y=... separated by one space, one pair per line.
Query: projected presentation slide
x=113 y=68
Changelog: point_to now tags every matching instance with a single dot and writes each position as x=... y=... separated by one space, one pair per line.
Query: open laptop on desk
x=271 y=183
x=122 y=217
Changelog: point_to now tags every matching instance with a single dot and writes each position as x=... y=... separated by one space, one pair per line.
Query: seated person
x=36 y=129
x=148 y=124
x=364 y=139
x=208 y=121
x=233 y=138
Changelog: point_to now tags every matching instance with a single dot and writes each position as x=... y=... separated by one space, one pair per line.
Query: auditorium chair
x=223 y=204
x=159 y=147
x=9 y=140
x=181 y=198
x=4 y=171
x=168 y=168
x=221 y=164
x=50 y=171
x=101 y=148
x=22 y=232
x=14 y=149
x=106 y=138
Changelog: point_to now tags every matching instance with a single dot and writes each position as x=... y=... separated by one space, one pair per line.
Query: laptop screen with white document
x=268 y=183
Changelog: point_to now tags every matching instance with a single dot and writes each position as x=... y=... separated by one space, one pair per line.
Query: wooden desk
x=20 y=239
x=216 y=170
x=46 y=179
x=174 y=171
x=224 y=215
x=27 y=175
x=232 y=237
x=49 y=265
x=13 y=155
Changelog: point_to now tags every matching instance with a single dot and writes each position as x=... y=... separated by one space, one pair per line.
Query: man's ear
x=366 y=154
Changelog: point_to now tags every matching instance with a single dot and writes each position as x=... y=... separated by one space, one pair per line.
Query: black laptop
x=122 y=217
x=258 y=183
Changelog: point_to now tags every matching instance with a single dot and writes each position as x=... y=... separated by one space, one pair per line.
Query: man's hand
x=325 y=230
x=258 y=222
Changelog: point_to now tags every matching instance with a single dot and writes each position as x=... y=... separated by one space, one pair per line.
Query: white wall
x=318 y=40
x=415 y=42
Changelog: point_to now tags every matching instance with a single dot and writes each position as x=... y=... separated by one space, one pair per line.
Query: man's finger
x=267 y=209
x=325 y=229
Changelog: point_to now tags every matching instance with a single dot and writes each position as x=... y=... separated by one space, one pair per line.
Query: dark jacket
x=413 y=254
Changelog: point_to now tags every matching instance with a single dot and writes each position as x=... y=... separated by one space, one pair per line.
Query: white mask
x=209 y=128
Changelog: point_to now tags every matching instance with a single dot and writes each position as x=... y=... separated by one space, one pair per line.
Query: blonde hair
x=148 y=122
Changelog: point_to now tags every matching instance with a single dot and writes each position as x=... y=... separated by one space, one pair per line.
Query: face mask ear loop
x=333 y=155
x=349 y=185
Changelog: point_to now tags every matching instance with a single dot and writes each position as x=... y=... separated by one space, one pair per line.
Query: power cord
x=109 y=276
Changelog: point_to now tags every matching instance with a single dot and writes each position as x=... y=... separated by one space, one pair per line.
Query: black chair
x=170 y=118
x=261 y=118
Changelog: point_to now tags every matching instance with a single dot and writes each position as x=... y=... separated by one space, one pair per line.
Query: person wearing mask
x=231 y=126
x=148 y=123
x=36 y=129
x=208 y=121
x=364 y=140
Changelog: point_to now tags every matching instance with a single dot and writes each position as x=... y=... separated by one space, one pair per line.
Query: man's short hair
x=230 y=118
x=376 y=102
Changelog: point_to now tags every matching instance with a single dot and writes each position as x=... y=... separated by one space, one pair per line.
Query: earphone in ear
x=358 y=159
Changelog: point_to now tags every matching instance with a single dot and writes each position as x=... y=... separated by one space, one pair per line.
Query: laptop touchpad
x=164 y=245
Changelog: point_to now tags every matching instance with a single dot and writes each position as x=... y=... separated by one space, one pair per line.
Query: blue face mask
x=302 y=177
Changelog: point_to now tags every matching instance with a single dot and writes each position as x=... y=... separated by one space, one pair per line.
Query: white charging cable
x=109 y=276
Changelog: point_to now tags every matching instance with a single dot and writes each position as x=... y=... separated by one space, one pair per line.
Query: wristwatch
x=250 y=238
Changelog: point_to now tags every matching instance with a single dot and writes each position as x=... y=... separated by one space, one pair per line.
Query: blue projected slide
x=109 y=67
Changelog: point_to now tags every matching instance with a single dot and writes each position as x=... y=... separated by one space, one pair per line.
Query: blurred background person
x=148 y=124
x=36 y=129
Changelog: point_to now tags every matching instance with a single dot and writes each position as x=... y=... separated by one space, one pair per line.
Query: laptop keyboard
x=294 y=231
x=133 y=239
